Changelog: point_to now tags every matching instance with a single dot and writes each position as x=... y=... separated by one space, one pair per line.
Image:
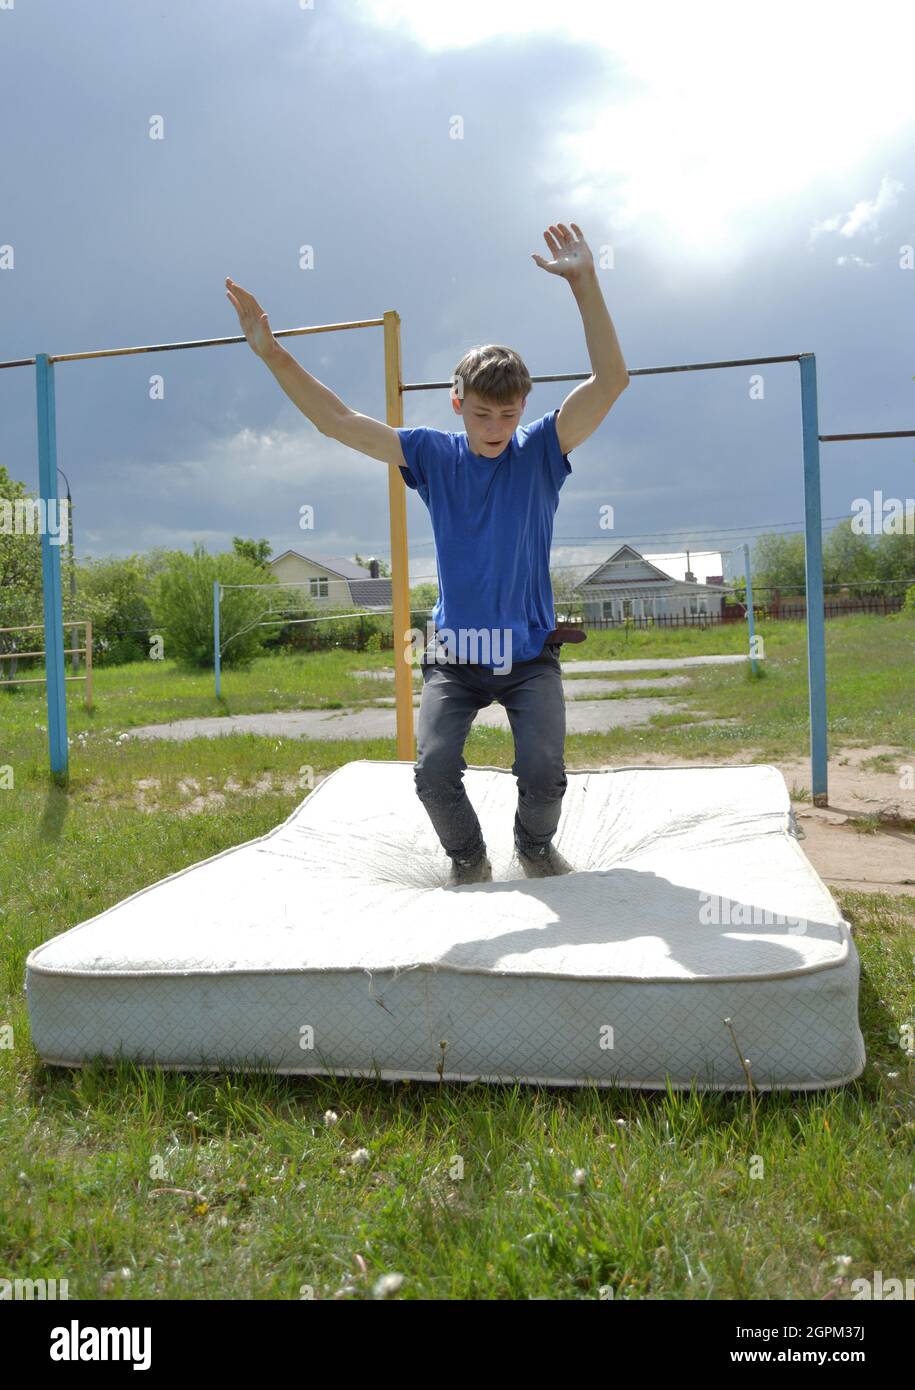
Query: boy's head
x=489 y=391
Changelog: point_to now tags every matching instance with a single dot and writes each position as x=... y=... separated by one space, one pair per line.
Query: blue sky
x=752 y=170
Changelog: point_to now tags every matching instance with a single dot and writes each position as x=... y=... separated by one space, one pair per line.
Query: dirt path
x=845 y=855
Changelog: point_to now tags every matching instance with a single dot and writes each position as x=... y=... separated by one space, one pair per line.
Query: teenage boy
x=492 y=494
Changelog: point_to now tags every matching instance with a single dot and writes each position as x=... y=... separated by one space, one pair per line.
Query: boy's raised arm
x=326 y=411
x=585 y=407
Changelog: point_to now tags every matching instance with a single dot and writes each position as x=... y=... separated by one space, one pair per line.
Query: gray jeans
x=531 y=693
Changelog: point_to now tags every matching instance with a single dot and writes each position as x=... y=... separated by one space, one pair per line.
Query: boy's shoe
x=544 y=862
x=477 y=871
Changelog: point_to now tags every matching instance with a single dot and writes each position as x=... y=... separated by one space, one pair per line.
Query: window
x=318 y=587
x=607 y=609
x=627 y=607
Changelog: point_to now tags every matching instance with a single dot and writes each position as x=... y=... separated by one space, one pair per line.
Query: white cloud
x=716 y=121
x=864 y=217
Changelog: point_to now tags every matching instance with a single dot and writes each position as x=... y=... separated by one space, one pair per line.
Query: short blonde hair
x=493 y=372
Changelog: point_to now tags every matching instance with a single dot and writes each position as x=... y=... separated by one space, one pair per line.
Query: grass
x=869 y=665
x=135 y=1183
x=233 y=1186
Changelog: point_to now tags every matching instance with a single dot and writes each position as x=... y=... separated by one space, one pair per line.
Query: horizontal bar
x=11 y=656
x=880 y=434
x=285 y=584
x=33 y=627
x=199 y=342
x=634 y=371
x=36 y=680
x=334 y=617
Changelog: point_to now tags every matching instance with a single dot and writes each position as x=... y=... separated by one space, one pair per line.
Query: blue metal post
x=813 y=561
x=216 y=662
x=750 y=624
x=50 y=568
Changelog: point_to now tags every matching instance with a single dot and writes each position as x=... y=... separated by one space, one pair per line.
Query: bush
x=182 y=606
x=113 y=594
x=339 y=627
x=909 y=605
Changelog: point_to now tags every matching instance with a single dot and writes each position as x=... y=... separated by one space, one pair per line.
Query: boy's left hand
x=571 y=254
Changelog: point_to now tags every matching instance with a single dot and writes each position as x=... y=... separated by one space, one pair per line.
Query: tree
x=894 y=563
x=258 y=552
x=384 y=569
x=424 y=594
x=20 y=558
x=182 y=606
x=113 y=593
x=565 y=600
x=849 y=559
x=778 y=563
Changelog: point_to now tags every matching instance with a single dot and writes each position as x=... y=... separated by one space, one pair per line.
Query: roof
x=618 y=555
x=336 y=564
x=627 y=552
x=372 y=593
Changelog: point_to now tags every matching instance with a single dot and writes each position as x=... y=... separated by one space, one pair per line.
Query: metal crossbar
x=65 y=651
x=394 y=390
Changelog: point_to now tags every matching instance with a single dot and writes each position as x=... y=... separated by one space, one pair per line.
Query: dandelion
x=579 y=1177
x=843 y=1261
x=387 y=1285
x=331 y=1117
x=360 y=1156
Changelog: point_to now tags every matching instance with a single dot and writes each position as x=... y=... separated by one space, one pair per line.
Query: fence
x=833 y=607
x=665 y=620
x=774 y=611
x=16 y=655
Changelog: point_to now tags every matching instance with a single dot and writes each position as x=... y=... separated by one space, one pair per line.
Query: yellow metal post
x=89 y=663
x=400 y=569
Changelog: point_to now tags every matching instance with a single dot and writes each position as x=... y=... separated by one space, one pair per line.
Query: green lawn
x=234 y=1186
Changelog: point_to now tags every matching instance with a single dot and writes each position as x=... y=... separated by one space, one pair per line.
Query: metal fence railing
x=16 y=655
x=781 y=611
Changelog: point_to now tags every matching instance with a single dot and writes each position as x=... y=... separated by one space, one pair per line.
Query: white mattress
x=334 y=944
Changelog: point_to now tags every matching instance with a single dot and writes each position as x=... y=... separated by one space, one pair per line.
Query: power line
x=761 y=530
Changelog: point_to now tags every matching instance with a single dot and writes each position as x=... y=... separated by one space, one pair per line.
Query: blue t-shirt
x=492 y=519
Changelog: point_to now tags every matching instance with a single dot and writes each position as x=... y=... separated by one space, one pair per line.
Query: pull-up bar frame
x=394 y=391
x=813 y=547
x=50 y=555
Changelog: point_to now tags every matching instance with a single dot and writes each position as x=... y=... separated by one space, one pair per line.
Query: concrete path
x=636 y=664
x=653 y=663
x=580 y=689
x=582 y=717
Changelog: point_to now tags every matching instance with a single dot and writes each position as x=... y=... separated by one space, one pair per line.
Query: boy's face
x=489 y=425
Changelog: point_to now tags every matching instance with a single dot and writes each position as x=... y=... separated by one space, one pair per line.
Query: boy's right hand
x=254 y=322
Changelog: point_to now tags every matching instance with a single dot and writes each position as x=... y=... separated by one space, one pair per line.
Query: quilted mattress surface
x=693 y=942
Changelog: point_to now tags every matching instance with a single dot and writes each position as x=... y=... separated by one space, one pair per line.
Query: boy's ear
x=456 y=405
